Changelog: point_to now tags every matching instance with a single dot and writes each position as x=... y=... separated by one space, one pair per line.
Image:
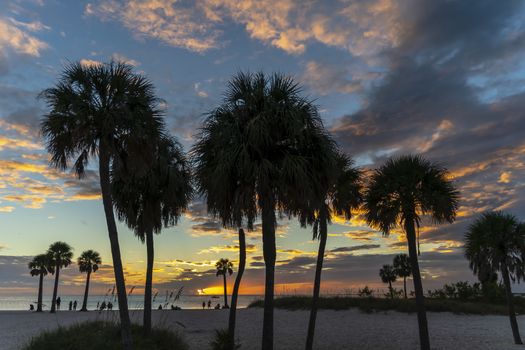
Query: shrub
x=96 y=335
x=222 y=341
x=365 y=292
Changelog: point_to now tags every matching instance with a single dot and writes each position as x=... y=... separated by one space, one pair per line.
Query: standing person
x=58 y=303
x=70 y=305
x=110 y=306
x=75 y=305
x=209 y=304
x=203 y=305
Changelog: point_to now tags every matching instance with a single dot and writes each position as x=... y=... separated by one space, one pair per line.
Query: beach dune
x=349 y=329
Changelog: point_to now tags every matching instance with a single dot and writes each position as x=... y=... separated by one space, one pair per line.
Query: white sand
x=350 y=329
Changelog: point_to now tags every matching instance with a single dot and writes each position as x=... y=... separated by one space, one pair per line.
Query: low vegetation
x=373 y=304
x=98 y=335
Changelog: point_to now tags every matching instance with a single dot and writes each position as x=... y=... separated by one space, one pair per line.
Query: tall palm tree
x=495 y=242
x=153 y=200
x=60 y=254
x=388 y=275
x=88 y=262
x=403 y=269
x=224 y=267
x=109 y=111
x=254 y=155
x=399 y=193
x=40 y=266
x=338 y=195
x=236 y=285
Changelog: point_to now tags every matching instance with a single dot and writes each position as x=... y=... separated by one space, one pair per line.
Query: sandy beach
x=349 y=329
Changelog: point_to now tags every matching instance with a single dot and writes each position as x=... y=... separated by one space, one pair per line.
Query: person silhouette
x=103 y=306
x=203 y=305
x=58 y=303
x=98 y=304
x=160 y=307
x=31 y=307
x=209 y=304
x=218 y=307
x=110 y=306
x=75 y=305
x=70 y=305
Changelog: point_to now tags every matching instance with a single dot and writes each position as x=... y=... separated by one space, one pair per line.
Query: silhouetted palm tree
x=60 y=254
x=88 y=262
x=237 y=284
x=399 y=193
x=153 y=200
x=403 y=269
x=40 y=266
x=109 y=111
x=224 y=267
x=388 y=275
x=495 y=242
x=255 y=154
x=337 y=195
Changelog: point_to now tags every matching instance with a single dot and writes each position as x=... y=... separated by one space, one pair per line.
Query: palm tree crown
x=402 y=265
x=89 y=261
x=406 y=188
x=41 y=265
x=224 y=266
x=157 y=198
x=61 y=254
x=260 y=148
x=388 y=274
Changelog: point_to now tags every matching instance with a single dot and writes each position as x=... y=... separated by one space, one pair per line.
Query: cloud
x=14 y=37
x=121 y=58
x=354 y=248
x=86 y=62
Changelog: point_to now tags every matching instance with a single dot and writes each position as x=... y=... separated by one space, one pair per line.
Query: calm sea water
x=134 y=301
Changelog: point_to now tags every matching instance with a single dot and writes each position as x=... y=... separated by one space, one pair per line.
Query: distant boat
x=215 y=297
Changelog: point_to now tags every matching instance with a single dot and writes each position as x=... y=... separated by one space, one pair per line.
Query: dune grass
x=400 y=305
x=97 y=335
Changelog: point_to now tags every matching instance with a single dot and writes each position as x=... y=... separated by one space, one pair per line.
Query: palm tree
x=495 y=242
x=109 y=111
x=338 y=195
x=388 y=275
x=224 y=267
x=153 y=200
x=399 y=193
x=60 y=254
x=254 y=155
x=88 y=262
x=237 y=284
x=40 y=266
x=403 y=269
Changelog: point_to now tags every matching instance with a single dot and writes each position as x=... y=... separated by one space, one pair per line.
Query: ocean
x=135 y=302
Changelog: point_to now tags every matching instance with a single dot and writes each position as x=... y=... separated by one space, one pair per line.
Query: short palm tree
x=60 y=254
x=154 y=200
x=399 y=193
x=340 y=194
x=106 y=111
x=388 y=275
x=254 y=155
x=224 y=267
x=403 y=269
x=495 y=242
x=88 y=262
x=40 y=266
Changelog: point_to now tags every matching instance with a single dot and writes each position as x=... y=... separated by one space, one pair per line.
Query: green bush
x=222 y=341
x=97 y=335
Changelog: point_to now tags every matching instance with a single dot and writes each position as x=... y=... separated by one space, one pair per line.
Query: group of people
x=104 y=306
x=72 y=305
x=217 y=307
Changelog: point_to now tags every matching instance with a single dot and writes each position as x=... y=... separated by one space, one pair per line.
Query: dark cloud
x=355 y=248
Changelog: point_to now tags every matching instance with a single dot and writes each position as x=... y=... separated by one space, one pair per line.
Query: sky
x=444 y=79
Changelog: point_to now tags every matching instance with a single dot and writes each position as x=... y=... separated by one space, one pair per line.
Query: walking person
x=58 y=303
x=203 y=305
x=70 y=305
x=75 y=305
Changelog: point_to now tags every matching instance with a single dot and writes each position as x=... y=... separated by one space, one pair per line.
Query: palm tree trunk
x=237 y=284
x=225 y=290
x=55 y=290
x=418 y=286
x=40 y=288
x=323 y=235
x=510 y=304
x=405 y=286
x=105 y=186
x=149 y=282
x=86 y=292
x=269 y=254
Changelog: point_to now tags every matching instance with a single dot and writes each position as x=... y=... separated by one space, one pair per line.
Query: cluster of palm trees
x=400 y=268
x=261 y=154
x=58 y=256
